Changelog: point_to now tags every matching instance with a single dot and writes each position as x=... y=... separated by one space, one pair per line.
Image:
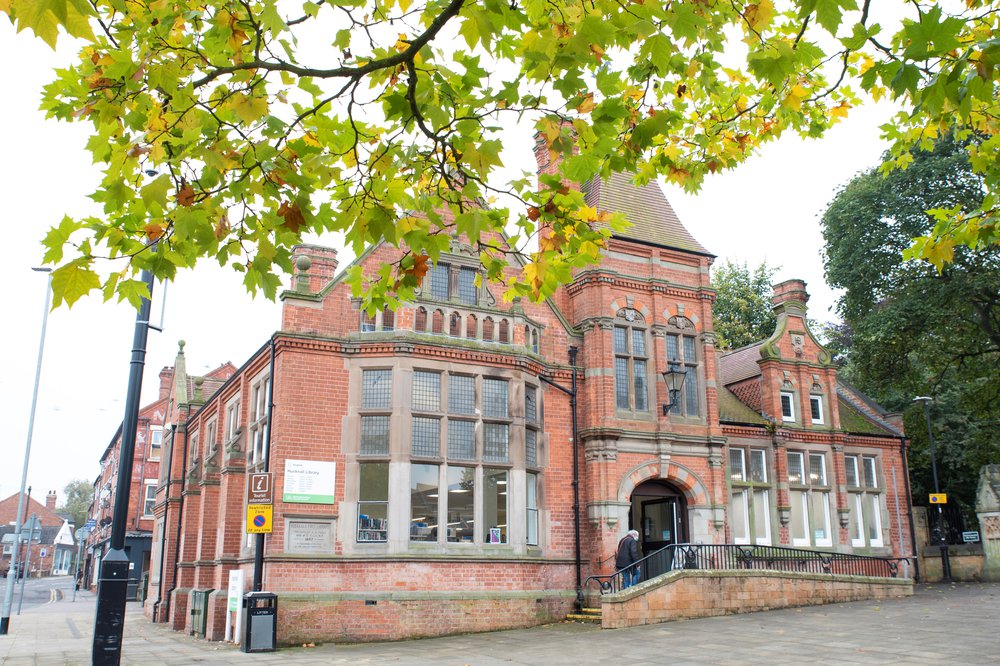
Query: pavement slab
x=955 y=623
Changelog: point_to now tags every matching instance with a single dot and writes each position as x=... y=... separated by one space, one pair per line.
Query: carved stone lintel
x=606 y=323
x=600 y=450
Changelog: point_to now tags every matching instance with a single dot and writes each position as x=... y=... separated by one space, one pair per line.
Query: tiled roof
x=861 y=414
x=653 y=218
x=749 y=393
x=740 y=364
x=732 y=410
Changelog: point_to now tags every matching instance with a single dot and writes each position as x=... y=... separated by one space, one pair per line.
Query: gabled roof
x=863 y=414
x=653 y=218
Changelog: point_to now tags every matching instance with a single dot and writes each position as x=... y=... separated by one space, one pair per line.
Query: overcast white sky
x=768 y=209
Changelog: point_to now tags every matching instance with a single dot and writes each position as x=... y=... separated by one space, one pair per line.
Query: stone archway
x=677 y=480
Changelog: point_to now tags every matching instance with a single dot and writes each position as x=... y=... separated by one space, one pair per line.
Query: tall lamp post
x=938 y=532
x=8 y=597
x=112 y=583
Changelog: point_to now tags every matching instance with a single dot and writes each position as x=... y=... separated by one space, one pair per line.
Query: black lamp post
x=938 y=531
x=674 y=379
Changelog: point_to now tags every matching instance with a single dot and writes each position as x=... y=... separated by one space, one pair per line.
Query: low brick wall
x=398 y=615
x=690 y=594
x=966 y=561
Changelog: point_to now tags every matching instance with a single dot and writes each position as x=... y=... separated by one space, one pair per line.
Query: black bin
x=262 y=621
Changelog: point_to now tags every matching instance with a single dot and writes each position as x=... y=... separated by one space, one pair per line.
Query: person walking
x=628 y=555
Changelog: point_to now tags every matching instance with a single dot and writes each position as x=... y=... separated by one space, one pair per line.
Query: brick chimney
x=166 y=376
x=790 y=297
x=50 y=501
x=315 y=267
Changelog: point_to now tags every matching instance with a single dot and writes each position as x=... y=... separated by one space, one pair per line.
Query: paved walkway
x=954 y=624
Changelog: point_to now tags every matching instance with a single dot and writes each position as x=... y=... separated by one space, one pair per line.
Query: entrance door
x=660 y=524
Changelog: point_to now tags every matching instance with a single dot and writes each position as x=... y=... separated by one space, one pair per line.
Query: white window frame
x=146 y=499
x=816 y=400
x=155 y=442
x=746 y=491
x=790 y=416
x=806 y=491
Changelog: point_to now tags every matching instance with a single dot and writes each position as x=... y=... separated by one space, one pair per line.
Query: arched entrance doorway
x=659 y=514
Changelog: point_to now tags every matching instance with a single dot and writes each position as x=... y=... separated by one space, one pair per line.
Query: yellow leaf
x=587 y=105
x=794 y=98
x=759 y=15
x=839 y=111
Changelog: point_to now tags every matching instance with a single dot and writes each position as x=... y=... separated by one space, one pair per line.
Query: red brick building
x=142 y=494
x=424 y=469
x=52 y=547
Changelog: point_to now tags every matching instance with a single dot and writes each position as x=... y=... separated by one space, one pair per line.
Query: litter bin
x=262 y=621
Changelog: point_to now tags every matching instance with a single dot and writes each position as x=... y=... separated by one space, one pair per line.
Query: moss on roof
x=854 y=421
x=732 y=410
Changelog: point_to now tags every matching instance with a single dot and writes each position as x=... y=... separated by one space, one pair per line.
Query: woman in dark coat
x=628 y=555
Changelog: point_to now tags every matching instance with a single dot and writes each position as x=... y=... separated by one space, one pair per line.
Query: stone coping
x=659 y=581
x=425 y=595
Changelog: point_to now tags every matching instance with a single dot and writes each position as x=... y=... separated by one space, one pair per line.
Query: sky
x=766 y=210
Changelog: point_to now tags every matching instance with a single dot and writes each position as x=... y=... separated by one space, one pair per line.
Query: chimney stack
x=166 y=376
x=790 y=296
x=50 y=501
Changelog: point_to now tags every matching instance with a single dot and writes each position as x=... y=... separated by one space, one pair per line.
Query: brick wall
x=690 y=594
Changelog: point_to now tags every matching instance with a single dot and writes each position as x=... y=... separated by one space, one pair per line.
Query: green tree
x=917 y=331
x=78 y=494
x=228 y=130
x=742 y=309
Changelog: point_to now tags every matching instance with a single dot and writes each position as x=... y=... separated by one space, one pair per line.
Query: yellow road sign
x=259 y=519
x=939 y=498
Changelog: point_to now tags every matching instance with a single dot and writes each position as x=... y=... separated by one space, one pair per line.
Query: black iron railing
x=733 y=557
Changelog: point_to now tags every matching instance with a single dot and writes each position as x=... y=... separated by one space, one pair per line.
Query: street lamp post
x=8 y=597
x=939 y=530
x=112 y=583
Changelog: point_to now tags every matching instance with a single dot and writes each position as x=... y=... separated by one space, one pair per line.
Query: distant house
x=52 y=545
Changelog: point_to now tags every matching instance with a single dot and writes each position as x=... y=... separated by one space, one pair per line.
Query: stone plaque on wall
x=309 y=536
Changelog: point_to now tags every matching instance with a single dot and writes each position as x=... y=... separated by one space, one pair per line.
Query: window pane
x=816 y=409
x=495 y=442
x=621 y=383
x=795 y=468
x=689 y=350
x=621 y=340
x=639 y=370
x=530 y=403
x=495 y=397
x=871 y=481
x=787 y=412
x=761 y=517
x=374 y=435
x=439 y=282
x=461 y=394
x=372 y=507
x=461 y=440
x=758 y=466
x=423 y=502
x=854 y=520
x=673 y=353
x=851 y=470
x=426 y=437
x=376 y=389
x=817 y=469
x=388 y=319
x=800 y=529
x=495 y=505
x=820 y=517
x=739 y=525
x=690 y=391
x=874 y=521
x=530 y=448
x=467 y=286
x=532 y=505
x=426 y=391
x=638 y=342
x=461 y=499
x=736 y=470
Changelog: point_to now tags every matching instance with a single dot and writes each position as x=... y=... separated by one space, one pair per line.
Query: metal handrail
x=735 y=557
